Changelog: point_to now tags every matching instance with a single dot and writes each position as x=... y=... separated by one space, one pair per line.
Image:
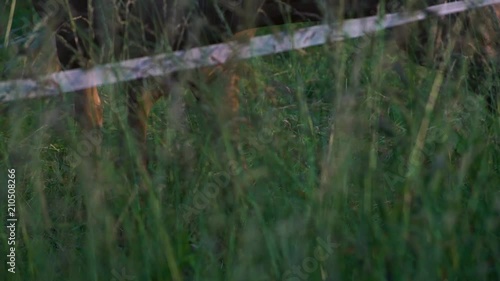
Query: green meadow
x=350 y=162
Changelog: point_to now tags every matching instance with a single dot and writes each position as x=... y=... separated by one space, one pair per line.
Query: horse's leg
x=88 y=107
x=140 y=103
x=233 y=71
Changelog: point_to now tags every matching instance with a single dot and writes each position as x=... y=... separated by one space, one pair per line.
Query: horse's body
x=104 y=30
x=120 y=30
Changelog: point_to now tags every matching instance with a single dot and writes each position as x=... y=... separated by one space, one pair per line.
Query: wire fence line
x=217 y=54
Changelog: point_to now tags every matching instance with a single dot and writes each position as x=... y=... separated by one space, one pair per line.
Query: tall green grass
x=328 y=192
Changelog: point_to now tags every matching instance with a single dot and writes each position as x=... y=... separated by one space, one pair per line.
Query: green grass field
x=349 y=176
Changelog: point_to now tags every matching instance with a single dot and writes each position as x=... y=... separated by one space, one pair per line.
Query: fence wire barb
x=164 y=64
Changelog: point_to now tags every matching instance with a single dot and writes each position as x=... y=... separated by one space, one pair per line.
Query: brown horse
x=99 y=30
x=96 y=31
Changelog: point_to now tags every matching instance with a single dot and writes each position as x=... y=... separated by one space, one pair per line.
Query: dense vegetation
x=352 y=173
